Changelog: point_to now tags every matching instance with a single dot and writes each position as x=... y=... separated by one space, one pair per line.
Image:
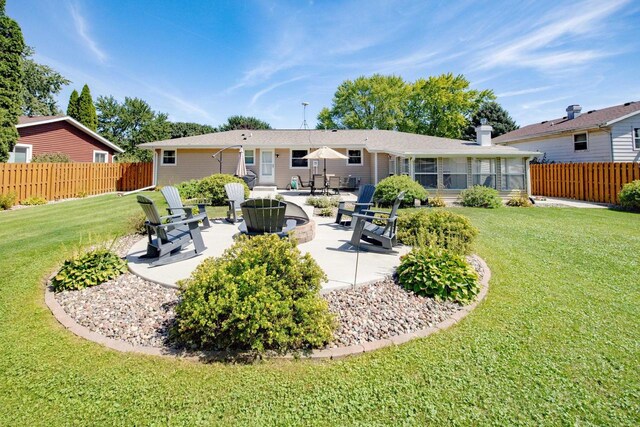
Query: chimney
x=483 y=133
x=573 y=111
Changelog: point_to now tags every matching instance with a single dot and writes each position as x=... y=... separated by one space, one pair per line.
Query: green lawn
x=557 y=341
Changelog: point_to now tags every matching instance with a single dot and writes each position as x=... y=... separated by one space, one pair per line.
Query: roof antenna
x=304 y=116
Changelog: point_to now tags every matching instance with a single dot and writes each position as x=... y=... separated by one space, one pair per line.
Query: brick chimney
x=573 y=111
x=483 y=133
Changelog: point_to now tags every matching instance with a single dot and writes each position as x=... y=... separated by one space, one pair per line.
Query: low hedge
x=388 y=189
x=630 y=196
x=480 y=196
x=448 y=230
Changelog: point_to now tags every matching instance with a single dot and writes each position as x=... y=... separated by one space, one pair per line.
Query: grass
x=555 y=342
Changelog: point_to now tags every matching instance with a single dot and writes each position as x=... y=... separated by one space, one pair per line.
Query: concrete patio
x=330 y=248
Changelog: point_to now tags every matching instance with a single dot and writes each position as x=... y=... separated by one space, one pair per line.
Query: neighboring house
x=607 y=135
x=60 y=134
x=441 y=165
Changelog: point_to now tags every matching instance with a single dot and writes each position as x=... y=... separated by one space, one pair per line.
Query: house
x=441 y=165
x=60 y=134
x=607 y=135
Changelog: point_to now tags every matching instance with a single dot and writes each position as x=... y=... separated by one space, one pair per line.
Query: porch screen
x=454 y=173
x=426 y=172
x=512 y=171
x=484 y=172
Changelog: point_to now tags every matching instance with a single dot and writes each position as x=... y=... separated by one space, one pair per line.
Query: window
x=100 y=157
x=21 y=154
x=249 y=157
x=580 y=141
x=512 y=171
x=636 y=139
x=297 y=160
x=355 y=157
x=484 y=172
x=404 y=166
x=426 y=172
x=169 y=157
x=454 y=173
x=392 y=165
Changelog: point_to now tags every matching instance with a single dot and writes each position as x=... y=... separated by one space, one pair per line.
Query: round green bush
x=630 y=196
x=261 y=294
x=212 y=188
x=90 y=269
x=438 y=273
x=33 y=201
x=436 y=227
x=388 y=189
x=189 y=189
x=521 y=201
x=480 y=196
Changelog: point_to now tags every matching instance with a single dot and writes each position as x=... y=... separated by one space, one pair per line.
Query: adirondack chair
x=379 y=235
x=265 y=216
x=235 y=197
x=178 y=211
x=171 y=236
x=364 y=201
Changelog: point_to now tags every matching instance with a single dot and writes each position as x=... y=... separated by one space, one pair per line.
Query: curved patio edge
x=330 y=353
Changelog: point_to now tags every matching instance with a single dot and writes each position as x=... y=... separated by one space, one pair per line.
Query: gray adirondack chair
x=265 y=216
x=235 y=197
x=170 y=237
x=364 y=201
x=178 y=211
x=379 y=235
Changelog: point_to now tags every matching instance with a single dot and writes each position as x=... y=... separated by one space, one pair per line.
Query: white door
x=267 y=167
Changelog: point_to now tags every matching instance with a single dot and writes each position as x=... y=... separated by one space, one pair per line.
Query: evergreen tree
x=11 y=50
x=496 y=116
x=72 y=108
x=86 y=110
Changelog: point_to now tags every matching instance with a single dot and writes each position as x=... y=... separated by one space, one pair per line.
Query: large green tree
x=11 y=50
x=86 y=110
x=496 y=116
x=182 y=129
x=40 y=85
x=243 y=122
x=72 y=107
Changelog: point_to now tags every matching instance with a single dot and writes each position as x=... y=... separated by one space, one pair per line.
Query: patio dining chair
x=378 y=235
x=178 y=211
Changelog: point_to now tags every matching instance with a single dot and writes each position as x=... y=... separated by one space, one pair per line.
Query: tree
x=182 y=129
x=40 y=85
x=442 y=105
x=244 y=122
x=496 y=116
x=86 y=110
x=376 y=102
x=11 y=50
x=72 y=107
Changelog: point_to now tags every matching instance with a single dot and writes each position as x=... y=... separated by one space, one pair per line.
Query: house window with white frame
x=21 y=153
x=484 y=172
x=100 y=157
x=392 y=165
x=355 y=157
x=249 y=157
x=512 y=171
x=580 y=142
x=297 y=161
x=454 y=173
x=636 y=139
x=169 y=157
x=426 y=172
x=404 y=166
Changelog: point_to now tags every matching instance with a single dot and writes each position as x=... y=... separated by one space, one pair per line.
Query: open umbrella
x=241 y=169
x=325 y=153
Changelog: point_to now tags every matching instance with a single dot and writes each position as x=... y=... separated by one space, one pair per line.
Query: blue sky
x=203 y=61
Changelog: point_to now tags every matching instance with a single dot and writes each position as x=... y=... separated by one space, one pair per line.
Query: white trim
x=106 y=156
x=361 y=157
x=626 y=116
x=29 y=148
x=270 y=179
x=162 y=163
x=375 y=168
x=155 y=168
x=291 y=159
x=78 y=125
x=573 y=141
x=254 y=157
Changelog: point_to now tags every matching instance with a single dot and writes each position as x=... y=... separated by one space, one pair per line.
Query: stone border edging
x=330 y=353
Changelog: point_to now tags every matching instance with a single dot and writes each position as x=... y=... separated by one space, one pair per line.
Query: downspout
x=375 y=168
x=155 y=168
x=528 y=174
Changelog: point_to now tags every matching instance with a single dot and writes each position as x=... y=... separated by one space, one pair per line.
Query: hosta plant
x=90 y=269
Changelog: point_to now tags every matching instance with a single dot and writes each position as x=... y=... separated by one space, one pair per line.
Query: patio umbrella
x=325 y=153
x=241 y=169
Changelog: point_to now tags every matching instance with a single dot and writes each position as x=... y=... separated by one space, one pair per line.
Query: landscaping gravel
x=131 y=309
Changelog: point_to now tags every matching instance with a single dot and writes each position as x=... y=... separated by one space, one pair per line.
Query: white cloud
x=523 y=91
x=268 y=89
x=83 y=31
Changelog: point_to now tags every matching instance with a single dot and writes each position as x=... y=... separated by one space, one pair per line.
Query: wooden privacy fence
x=593 y=182
x=65 y=180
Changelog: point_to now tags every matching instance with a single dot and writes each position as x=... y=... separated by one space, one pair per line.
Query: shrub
x=323 y=201
x=438 y=273
x=136 y=223
x=520 y=201
x=188 y=189
x=279 y=197
x=441 y=228
x=90 y=269
x=261 y=294
x=212 y=188
x=389 y=188
x=8 y=200
x=33 y=201
x=82 y=194
x=480 y=196
x=630 y=196
x=51 y=158
x=326 y=212
x=437 y=202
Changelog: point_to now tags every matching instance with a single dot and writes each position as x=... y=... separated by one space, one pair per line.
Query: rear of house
x=607 y=135
x=60 y=134
x=443 y=166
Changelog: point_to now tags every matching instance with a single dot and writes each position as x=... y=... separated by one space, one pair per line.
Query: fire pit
x=305 y=229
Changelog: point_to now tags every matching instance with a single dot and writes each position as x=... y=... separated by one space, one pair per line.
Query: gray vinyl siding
x=560 y=148
x=622 y=139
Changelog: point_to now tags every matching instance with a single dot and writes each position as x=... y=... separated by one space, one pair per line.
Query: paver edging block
x=329 y=353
